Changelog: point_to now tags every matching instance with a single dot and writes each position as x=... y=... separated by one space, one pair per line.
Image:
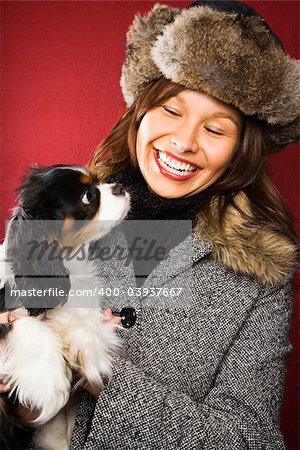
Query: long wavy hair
x=247 y=172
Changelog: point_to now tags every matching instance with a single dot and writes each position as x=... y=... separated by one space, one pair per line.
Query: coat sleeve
x=240 y=411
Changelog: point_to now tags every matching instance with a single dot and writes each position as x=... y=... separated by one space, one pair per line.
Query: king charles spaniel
x=61 y=208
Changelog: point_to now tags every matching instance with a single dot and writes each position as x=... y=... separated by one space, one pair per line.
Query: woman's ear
x=41 y=280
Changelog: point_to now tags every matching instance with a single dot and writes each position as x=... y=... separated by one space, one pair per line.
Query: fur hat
x=227 y=52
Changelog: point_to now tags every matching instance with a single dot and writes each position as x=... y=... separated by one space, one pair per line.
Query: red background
x=60 y=95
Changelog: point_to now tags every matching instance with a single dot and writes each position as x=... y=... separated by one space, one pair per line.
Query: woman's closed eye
x=215 y=131
x=172 y=111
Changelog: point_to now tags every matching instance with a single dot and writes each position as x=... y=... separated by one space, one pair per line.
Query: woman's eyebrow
x=223 y=115
x=179 y=98
x=218 y=114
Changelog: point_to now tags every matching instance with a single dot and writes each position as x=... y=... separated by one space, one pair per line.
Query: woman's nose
x=185 y=141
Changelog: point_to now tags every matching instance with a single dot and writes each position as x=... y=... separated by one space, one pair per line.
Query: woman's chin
x=167 y=191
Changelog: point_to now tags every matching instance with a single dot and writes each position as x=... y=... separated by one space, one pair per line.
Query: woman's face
x=186 y=144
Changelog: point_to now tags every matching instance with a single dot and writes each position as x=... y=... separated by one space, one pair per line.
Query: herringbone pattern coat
x=205 y=370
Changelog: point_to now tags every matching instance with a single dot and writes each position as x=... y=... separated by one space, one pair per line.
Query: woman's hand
x=109 y=318
x=10 y=316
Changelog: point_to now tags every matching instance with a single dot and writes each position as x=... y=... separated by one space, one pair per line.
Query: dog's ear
x=33 y=251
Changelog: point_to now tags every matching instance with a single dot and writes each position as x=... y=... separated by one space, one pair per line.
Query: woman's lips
x=167 y=171
x=176 y=158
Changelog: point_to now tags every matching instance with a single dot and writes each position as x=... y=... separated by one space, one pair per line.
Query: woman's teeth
x=174 y=166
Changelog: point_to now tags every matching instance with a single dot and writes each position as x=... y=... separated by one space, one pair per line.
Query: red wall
x=60 y=68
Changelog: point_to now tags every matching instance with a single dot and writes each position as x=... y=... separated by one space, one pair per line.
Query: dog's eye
x=87 y=197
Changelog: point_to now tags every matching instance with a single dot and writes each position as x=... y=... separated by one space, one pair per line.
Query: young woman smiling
x=190 y=140
x=210 y=94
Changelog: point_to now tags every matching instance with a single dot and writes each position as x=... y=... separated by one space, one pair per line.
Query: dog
x=62 y=208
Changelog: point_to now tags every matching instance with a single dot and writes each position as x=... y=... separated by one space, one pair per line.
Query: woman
x=210 y=94
x=205 y=89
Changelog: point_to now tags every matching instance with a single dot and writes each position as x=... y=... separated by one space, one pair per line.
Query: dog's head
x=60 y=207
x=69 y=192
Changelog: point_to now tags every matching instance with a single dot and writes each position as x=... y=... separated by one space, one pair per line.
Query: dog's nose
x=118 y=189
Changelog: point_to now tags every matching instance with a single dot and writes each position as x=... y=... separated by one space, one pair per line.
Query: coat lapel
x=119 y=268
x=180 y=259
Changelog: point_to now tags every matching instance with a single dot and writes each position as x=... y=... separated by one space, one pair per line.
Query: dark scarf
x=145 y=205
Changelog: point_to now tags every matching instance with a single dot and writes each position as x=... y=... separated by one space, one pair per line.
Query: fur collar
x=258 y=252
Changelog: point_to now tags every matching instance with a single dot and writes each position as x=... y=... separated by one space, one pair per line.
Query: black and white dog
x=62 y=207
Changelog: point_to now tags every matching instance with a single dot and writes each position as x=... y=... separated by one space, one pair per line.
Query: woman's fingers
x=108 y=317
x=5 y=324
x=11 y=316
x=4 y=317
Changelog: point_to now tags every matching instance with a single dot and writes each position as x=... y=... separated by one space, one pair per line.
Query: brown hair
x=248 y=171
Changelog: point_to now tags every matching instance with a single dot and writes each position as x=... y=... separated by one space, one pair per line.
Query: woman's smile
x=173 y=167
x=185 y=144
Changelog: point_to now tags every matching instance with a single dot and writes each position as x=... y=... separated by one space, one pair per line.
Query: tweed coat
x=205 y=369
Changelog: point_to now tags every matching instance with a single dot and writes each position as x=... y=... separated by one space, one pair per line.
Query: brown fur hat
x=232 y=57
